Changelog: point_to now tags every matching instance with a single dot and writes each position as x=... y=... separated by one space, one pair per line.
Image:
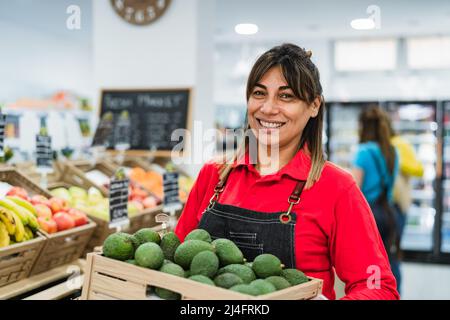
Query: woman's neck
x=271 y=160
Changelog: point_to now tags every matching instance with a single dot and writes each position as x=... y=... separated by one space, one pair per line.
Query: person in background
x=375 y=168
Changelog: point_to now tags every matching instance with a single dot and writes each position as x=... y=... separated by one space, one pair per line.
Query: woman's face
x=275 y=115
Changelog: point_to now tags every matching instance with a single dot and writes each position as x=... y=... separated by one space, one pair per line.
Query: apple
x=47 y=224
x=79 y=216
x=64 y=220
x=18 y=192
x=149 y=202
x=43 y=211
x=38 y=199
x=58 y=204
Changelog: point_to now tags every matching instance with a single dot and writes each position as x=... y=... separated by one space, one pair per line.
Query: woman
x=375 y=171
x=288 y=200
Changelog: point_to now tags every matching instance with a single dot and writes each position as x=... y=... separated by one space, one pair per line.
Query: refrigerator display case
x=445 y=218
x=417 y=123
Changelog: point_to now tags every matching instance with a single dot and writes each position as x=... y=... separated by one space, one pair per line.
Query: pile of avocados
x=217 y=263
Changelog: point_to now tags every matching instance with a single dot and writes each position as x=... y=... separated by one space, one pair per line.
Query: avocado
x=136 y=242
x=198 y=234
x=245 y=289
x=147 y=235
x=149 y=255
x=188 y=250
x=266 y=265
x=263 y=286
x=202 y=279
x=294 y=276
x=169 y=243
x=173 y=269
x=118 y=246
x=278 y=282
x=205 y=263
x=228 y=252
x=167 y=261
x=227 y=280
x=131 y=261
x=241 y=270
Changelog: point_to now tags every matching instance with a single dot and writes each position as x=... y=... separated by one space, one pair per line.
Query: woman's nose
x=269 y=107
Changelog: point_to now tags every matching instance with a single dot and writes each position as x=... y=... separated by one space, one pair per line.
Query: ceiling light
x=363 y=24
x=246 y=28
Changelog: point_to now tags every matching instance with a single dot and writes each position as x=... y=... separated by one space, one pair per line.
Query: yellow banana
x=8 y=220
x=4 y=236
x=23 y=203
x=18 y=210
x=28 y=233
x=20 y=229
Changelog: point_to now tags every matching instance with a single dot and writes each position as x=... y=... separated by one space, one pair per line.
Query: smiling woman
x=336 y=229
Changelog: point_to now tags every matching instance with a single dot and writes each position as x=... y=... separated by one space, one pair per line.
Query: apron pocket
x=243 y=237
x=250 y=251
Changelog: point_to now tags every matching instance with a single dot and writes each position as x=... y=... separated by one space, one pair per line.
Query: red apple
x=38 y=199
x=150 y=202
x=19 y=192
x=79 y=216
x=64 y=220
x=48 y=225
x=58 y=204
x=138 y=192
x=43 y=211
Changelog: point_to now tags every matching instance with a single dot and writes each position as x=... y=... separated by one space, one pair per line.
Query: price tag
x=171 y=191
x=164 y=219
x=44 y=153
x=103 y=131
x=118 y=202
x=2 y=134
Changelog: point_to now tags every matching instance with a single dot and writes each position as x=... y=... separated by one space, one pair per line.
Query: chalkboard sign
x=153 y=116
x=171 y=190
x=44 y=153
x=118 y=202
x=2 y=134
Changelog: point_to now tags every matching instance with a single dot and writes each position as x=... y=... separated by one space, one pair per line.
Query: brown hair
x=375 y=126
x=303 y=78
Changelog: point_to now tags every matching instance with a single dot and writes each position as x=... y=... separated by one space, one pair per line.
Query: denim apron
x=254 y=232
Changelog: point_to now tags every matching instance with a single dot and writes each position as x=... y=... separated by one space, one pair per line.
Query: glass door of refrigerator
x=445 y=229
x=416 y=123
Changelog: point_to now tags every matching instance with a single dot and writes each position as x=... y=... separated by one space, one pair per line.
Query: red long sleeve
x=355 y=231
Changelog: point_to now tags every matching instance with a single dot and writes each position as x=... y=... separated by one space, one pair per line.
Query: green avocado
x=241 y=270
x=118 y=246
x=294 y=276
x=263 y=286
x=202 y=279
x=147 y=235
x=149 y=255
x=188 y=250
x=266 y=265
x=227 y=280
x=228 y=252
x=173 y=269
x=205 y=263
x=278 y=282
x=169 y=243
x=198 y=234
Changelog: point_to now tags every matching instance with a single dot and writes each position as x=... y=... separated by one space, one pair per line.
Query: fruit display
x=153 y=181
x=95 y=204
x=218 y=263
x=48 y=214
x=18 y=218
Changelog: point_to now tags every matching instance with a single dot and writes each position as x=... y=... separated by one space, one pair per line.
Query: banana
x=4 y=236
x=28 y=233
x=8 y=220
x=14 y=208
x=20 y=229
x=23 y=203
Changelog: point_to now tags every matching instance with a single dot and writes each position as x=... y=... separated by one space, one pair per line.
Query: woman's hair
x=375 y=126
x=303 y=78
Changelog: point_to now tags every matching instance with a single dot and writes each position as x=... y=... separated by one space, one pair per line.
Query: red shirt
x=335 y=229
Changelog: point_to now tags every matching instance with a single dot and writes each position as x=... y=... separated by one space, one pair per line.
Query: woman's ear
x=315 y=106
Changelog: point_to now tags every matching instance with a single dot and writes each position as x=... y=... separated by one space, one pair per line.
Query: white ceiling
x=290 y=19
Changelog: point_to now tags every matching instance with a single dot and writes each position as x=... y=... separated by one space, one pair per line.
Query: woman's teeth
x=270 y=124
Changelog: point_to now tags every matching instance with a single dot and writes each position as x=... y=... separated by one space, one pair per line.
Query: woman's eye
x=286 y=96
x=258 y=93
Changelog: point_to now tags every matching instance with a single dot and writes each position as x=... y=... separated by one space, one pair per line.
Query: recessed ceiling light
x=246 y=28
x=362 y=24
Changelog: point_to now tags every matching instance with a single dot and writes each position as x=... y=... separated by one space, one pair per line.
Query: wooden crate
x=13 y=177
x=63 y=247
x=29 y=170
x=17 y=260
x=108 y=279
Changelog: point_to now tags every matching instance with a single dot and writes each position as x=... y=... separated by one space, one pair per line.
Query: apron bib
x=254 y=232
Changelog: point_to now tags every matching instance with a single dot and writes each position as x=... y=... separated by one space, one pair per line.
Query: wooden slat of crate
x=17 y=260
x=132 y=282
x=13 y=177
x=32 y=283
x=63 y=247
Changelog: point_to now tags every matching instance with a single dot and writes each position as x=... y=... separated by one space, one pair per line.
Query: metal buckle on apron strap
x=286 y=217
x=215 y=197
